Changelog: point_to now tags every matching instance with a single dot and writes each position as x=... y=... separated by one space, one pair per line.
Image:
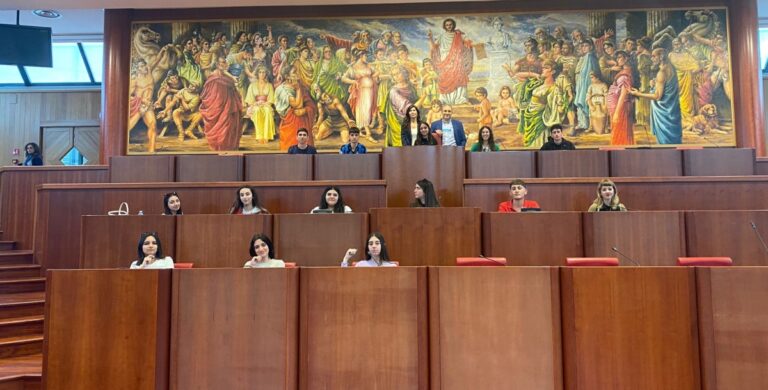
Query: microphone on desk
x=615 y=249
x=759 y=236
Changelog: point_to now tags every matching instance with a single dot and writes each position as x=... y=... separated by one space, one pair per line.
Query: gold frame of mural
x=368 y=80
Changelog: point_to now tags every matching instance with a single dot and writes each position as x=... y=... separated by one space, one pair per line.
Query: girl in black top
x=424 y=194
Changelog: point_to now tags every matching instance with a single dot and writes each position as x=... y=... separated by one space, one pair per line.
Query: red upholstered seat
x=397 y=263
x=481 y=261
x=592 y=262
x=183 y=265
x=704 y=261
x=290 y=265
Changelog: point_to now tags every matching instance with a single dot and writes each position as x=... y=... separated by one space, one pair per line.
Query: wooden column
x=114 y=87
x=747 y=77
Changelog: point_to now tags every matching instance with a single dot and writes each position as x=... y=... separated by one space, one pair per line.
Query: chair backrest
x=481 y=261
x=183 y=265
x=592 y=261
x=704 y=261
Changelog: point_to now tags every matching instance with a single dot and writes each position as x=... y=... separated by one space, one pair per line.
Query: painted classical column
x=114 y=87
x=747 y=76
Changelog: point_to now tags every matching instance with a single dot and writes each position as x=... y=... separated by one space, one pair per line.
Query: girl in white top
x=376 y=253
x=262 y=251
x=332 y=201
x=247 y=202
x=150 y=253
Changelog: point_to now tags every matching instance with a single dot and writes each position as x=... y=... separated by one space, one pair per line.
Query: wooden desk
x=733 y=323
x=646 y=162
x=629 y=328
x=442 y=165
x=278 y=167
x=495 y=328
x=428 y=236
x=348 y=166
x=218 y=240
x=234 y=329
x=727 y=233
x=17 y=195
x=142 y=169
x=719 y=162
x=112 y=241
x=208 y=168
x=60 y=206
x=649 y=238
x=107 y=329
x=573 y=163
x=511 y=164
x=537 y=239
x=349 y=316
x=319 y=239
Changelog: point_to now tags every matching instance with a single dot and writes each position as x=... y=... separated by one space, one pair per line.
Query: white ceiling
x=86 y=17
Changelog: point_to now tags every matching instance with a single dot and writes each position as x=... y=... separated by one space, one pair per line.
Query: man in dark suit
x=451 y=130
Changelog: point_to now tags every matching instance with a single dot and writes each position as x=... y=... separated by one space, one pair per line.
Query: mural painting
x=636 y=78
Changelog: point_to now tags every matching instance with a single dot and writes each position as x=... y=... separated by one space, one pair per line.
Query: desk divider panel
x=350 y=315
x=442 y=165
x=219 y=240
x=107 y=329
x=234 y=329
x=533 y=239
x=278 y=167
x=319 y=239
x=507 y=164
x=208 y=168
x=113 y=241
x=728 y=233
x=495 y=328
x=629 y=328
x=646 y=162
x=428 y=236
x=733 y=323
x=142 y=169
x=649 y=238
x=573 y=163
x=330 y=166
x=719 y=162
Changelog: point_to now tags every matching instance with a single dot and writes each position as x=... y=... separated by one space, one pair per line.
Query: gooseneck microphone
x=759 y=236
x=615 y=249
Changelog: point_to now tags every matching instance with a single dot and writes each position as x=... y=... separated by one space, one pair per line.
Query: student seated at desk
x=425 y=136
x=303 y=146
x=247 y=203
x=262 y=251
x=172 y=204
x=424 y=194
x=354 y=146
x=518 y=203
x=331 y=202
x=607 y=198
x=375 y=253
x=485 y=141
x=150 y=253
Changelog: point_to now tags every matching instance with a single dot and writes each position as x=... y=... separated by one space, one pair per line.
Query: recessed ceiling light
x=47 y=13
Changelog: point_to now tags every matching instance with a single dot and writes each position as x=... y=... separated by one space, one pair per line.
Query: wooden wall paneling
x=761 y=164
x=428 y=236
x=107 y=329
x=56 y=143
x=657 y=193
x=574 y=163
x=514 y=341
x=278 y=167
x=728 y=233
x=348 y=166
x=219 y=241
x=733 y=322
x=112 y=241
x=205 y=168
x=648 y=238
x=533 y=239
x=234 y=329
x=443 y=166
x=86 y=140
x=646 y=162
x=508 y=164
x=633 y=328
x=142 y=169
x=363 y=328
x=719 y=162
x=18 y=193
x=320 y=239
